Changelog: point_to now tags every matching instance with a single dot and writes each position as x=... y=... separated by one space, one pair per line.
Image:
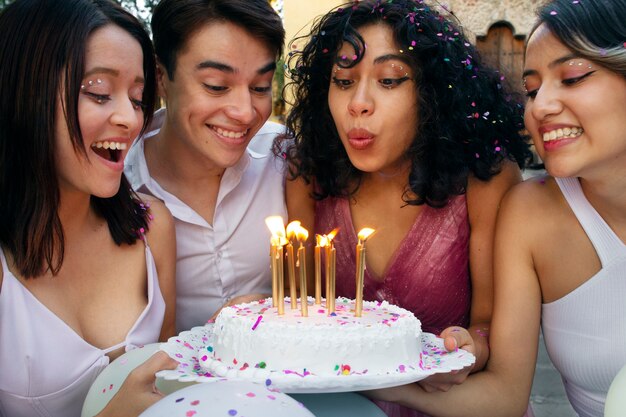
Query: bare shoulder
x=161 y=223
x=533 y=206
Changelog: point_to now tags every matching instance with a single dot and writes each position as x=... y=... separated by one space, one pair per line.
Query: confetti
x=256 y=323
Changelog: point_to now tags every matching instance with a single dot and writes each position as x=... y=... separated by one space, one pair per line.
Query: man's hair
x=174 y=22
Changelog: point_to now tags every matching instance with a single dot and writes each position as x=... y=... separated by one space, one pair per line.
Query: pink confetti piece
x=553 y=13
x=190 y=413
x=256 y=323
x=251 y=395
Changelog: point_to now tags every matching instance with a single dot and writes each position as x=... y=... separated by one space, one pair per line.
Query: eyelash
x=101 y=98
x=567 y=82
x=393 y=82
x=215 y=89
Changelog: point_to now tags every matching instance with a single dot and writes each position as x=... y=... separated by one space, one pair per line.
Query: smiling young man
x=208 y=155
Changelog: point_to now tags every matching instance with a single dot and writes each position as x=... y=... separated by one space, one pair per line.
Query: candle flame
x=302 y=234
x=276 y=226
x=330 y=236
x=365 y=233
x=321 y=240
x=278 y=241
x=292 y=229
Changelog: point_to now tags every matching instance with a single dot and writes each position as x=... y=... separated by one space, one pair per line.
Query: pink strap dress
x=427 y=275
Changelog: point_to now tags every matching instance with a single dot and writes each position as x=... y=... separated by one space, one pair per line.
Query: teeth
x=110 y=145
x=230 y=133
x=566 y=132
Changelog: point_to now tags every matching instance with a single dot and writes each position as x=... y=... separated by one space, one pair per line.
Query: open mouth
x=111 y=151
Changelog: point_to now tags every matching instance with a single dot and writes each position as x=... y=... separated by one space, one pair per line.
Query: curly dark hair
x=468 y=121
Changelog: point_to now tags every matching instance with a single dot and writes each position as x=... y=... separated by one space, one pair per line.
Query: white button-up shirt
x=230 y=257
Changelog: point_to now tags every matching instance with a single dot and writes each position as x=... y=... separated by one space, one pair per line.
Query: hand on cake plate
x=129 y=384
x=455 y=338
x=240 y=299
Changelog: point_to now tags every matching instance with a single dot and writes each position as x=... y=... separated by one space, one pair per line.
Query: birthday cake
x=253 y=339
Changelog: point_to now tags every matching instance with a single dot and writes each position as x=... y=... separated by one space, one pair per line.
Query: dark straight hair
x=175 y=21
x=42 y=50
x=593 y=29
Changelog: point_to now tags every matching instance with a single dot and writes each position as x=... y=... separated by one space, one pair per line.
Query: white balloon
x=615 y=405
x=111 y=378
x=227 y=398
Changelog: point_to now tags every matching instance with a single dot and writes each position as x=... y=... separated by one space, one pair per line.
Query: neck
x=608 y=196
x=75 y=211
x=173 y=159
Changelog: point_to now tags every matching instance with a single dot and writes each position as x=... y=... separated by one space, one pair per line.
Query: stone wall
x=477 y=16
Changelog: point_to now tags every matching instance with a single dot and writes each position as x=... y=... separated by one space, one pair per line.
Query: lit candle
x=333 y=261
x=303 y=235
x=331 y=257
x=291 y=268
x=274 y=272
x=320 y=243
x=364 y=234
x=277 y=229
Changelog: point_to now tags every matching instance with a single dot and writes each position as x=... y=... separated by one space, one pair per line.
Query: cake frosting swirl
x=253 y=338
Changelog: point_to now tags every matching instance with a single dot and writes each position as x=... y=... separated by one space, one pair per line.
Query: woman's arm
x=483 y=203
x=162 y=240
x=503 y=388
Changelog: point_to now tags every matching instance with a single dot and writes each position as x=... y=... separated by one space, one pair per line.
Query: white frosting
x=253 y=338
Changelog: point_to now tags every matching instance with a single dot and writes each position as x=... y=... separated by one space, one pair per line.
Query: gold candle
x=274 y=272
x=360 y=269
x=277 y=228
x=291 y=268
x=303 y=235
x=281 y=280
x=320 y=242
x=330 y=271
x=333 y=261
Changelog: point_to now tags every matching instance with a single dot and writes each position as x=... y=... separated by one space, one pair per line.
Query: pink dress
x=427 y=275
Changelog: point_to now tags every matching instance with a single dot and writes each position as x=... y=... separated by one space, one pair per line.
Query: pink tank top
x=427 y=275
x=46 y=367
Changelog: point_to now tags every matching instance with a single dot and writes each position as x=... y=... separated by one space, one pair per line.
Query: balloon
x=339 y=405
x=111 y=378
x=615 y=405
x=227 y=398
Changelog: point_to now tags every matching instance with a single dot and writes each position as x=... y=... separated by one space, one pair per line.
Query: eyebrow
x=552 y=64
x=231 y=70
x=391 y=57
x=111 y=71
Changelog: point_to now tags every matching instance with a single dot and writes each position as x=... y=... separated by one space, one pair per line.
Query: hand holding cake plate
x=314 y=354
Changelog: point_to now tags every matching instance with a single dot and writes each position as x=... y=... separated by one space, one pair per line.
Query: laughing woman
x=86 y=267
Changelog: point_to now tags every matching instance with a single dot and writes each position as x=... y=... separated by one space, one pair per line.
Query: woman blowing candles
x=87 y=268
x=399 y=127
x=560 y=256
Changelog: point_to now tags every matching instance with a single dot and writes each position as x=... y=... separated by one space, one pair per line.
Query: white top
x=585 y=331
x=230 y=257
x=46 y=368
